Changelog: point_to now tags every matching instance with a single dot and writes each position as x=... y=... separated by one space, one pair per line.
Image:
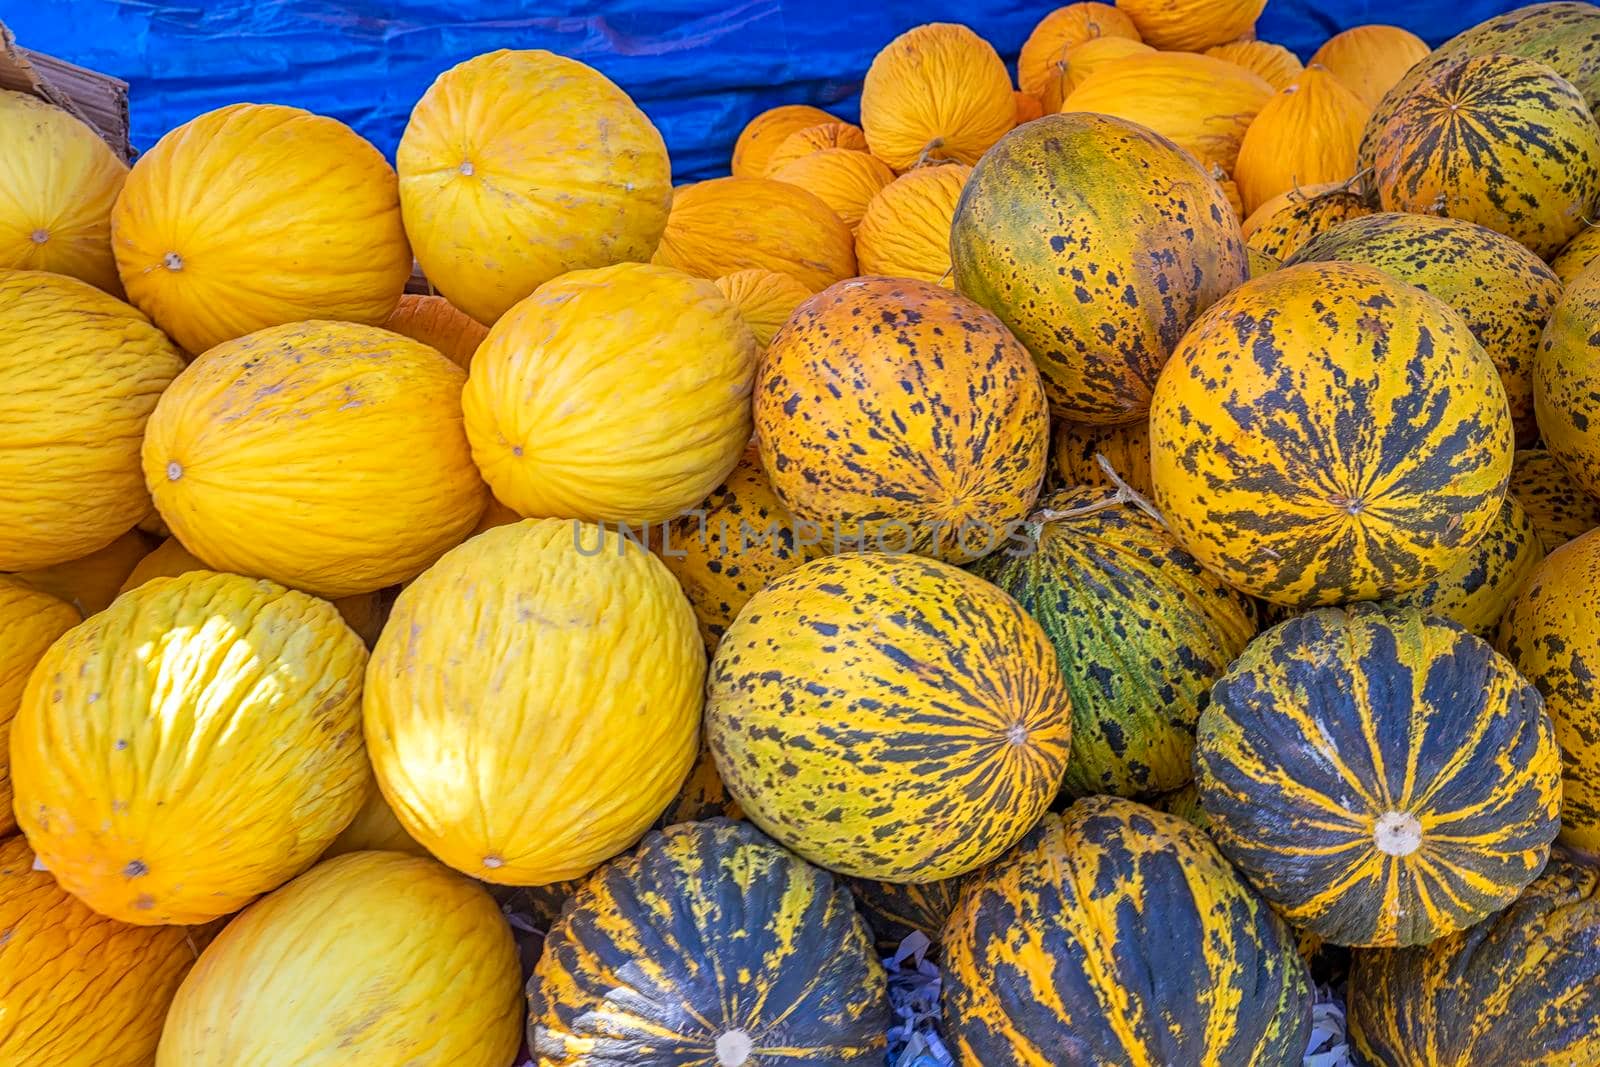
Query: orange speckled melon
x=30 y=621
x=804 y=142
x=327 y=456
x=1075 y=446
x=1136 y=241
x=1042 y=63
x=905 y=230
x=1566 y=382
x=58 y=182
x=90 y=584
x=80 y=373
x=1476 y=592
x=729 y=224
x=938 y=91
x=194 y=745
x=518 y=166
x=842 y=178
x=534 y=702
x=888 y=716
x=1201 y=103
x=1276 y=65
x=1497 y=140
x=1560 y=509
x=1088 y=57
x=903 y=417
x=1577 y=255
x=256 y=215
x=1280 y=226
x=1327 y=433
x=762 y=135
x=437 y=323
x=1369 y=60
x=1029 y=107
x=1307 y=134
x=78 y=989
x=372 y=958
x=765 y=299
x=577 y=410
x=1192 y=25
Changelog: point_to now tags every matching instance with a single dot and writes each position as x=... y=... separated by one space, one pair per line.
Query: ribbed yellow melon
x=765 y=299
x=437 y=323
x=1077 y=446
x=1577 y=254
x=1192 y=25
x=194 y=745
x=1277 y=66
x=729 y=224
x=1029 y=107
x=535 y=701
x=327 y=456
x=937 y=91
x=1476 y=592
x=256 y=215
x=1042 y=63
x=518 y=166
x=819 y=138
x=1307 y=134
x=93 y=582
x=58 y=181
x=374 y=829
x=905 y=231
x=615 y=394
x=844 y=179
x=372 y=959
x=80 y=373
x=762 y=135
x=1084 y=60
x=30 y=621
x=1371 y=59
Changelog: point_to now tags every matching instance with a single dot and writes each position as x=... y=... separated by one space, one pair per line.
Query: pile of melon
x=1124 y=540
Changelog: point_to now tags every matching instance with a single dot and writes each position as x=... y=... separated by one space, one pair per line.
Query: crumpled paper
x=1328 y=1046
x=914 y=984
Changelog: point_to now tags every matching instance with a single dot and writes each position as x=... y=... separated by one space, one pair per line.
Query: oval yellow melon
x=802 y=143
x=1560 y=509
x=30 y=621
x=765 y=299
x=1042 y=63
x=1326 y=434
x=58 y=182
x=578 y=410
x=78 y=989
x=374 y=829
x=1371 y=59
x=1263 y=263
x=535 y=701
x=1279 y=227
x=373 y=959
x=327 y=456
x=255 y=215
x=729 y=224
x=762 y=135
x=1307 y=134
x=1084 y=60
x=194 y=745
x=844 y=179
x=1276 y=65
x=1577 y=254
x=1192 y=25
x=1202 y=104
x=437 y=323
x=80 y=373
x=905 y=230
x=90 y=584
x=518 y=166
x=938 y=91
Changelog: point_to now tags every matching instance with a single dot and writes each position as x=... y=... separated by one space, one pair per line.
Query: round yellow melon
x=1277 y=66
x=191 y=747
x=1192 y=25
x=1042 y=63
x=818 y=138
x=842 y=178
x=58 y=181
x=938 y=91
x=765 y=299
x=1082 y=62
x=1077 y=447
x=535 y=701
x=729 y=224
x=1371 y=59
x=1307 y=134
x=90 y=584
x=1577 y=254
x=619 y=394
x=376 y=959
x=437 y=323
x=1561 y=510
x=762 y=135
x=256 y=215
x=80 y=373
x=327 y=456
x=30 y=621
x=905 y=230
x=518 y=166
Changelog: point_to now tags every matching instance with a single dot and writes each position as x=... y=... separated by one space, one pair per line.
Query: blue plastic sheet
x=699 y=68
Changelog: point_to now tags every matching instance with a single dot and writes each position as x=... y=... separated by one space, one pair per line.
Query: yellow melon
x=1307 y=134
x=1192 y=25
x=1042 y=62
x=905 y=231
x=844 y=179
x=762 y=135
x=729 y=224
x=938 y=91
x=90 y=584
x=1578 y=253
x=1277 y=66
x=374 y=829
x=30 y=621
x=1371 y=59
x=765 y=299
x=816 y=138
x=1029 y=107
x=1088 y=57
x=437 y=323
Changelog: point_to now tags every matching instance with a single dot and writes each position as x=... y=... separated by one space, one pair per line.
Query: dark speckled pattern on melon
x=894 y=911
x=1383 y=777
x=1116 y=934
x=1287 y=229
x=1566 y=382
x=1097 y=242
x=901 y=409
x=889 y=717
x=1328 y=434
x=1497 y=140
x=1559 y=508
x=1074 y=446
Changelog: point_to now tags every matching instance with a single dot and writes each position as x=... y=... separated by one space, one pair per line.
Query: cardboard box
x=98 y=99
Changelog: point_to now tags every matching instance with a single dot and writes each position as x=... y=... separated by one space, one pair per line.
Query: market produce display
x=1096 y=562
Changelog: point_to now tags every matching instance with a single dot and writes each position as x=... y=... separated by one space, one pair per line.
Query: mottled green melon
x=1560 y=508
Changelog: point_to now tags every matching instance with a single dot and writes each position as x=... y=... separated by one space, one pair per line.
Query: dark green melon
x=894 y=911
x=708 y=946
x=1117 y=934
x=1141 y=631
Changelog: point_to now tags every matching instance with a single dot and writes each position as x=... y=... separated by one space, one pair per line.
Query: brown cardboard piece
x=98 y=99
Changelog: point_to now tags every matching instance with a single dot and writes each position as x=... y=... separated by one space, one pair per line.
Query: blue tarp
x=699 y=68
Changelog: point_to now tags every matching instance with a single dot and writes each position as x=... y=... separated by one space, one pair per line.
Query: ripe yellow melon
x=194 y=745
x=729 y=224
x=90 y=584
x=1577 y=254
x=374 y=829
x=30 y=621
x=765 y=299
x=844 y=179
x=937 y=91
x=1081 y=63
x=762 y=135
x=439 y=324
x=905 y=231
x=1371 y=59
x=1192 y=25
x=1307 y=134
x=327 y=456
x=255 y=215
x=1278 y=66
x=818 y=138
x=1042 y=63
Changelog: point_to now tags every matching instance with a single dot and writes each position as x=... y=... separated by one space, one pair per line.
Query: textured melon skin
x=1115 y=933
x=30 y=622
x=1566 y=383
x=708 y=930
x=1099 y=306
x=894 y=911
x=1075 y=446
x=1383 y=777
x=1520 y=988
x=1578 y=255
x=1560 y=508
x=763 y=134
x=1283 y=224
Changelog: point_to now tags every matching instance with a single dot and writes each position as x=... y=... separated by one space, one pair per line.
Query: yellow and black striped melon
x=894 y=911
x=1278 y=228
x=1097 y=242
x=1141 y=632
x=1327 y=434
x=888 y=716
x=1560 y=508
x=1383 y=777
x=1075 y=447
x=1117 y=934
x=1566 y=382
x=708 y=945
x=1520 y=988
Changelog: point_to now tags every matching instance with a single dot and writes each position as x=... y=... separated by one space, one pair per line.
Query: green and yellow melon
x=708 y=944
x=888 y=716
x=1141 y=632
x=1559 y=508
x=894 y=911
x=1327 y=434
x=1077 y=446
x=1503 y=291
x=1578 y=255
x=1115 y=933
x=1566 y=382
x=1520 y=988
x=1382 y=776
x=1278 y=228
x=1137 y=241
